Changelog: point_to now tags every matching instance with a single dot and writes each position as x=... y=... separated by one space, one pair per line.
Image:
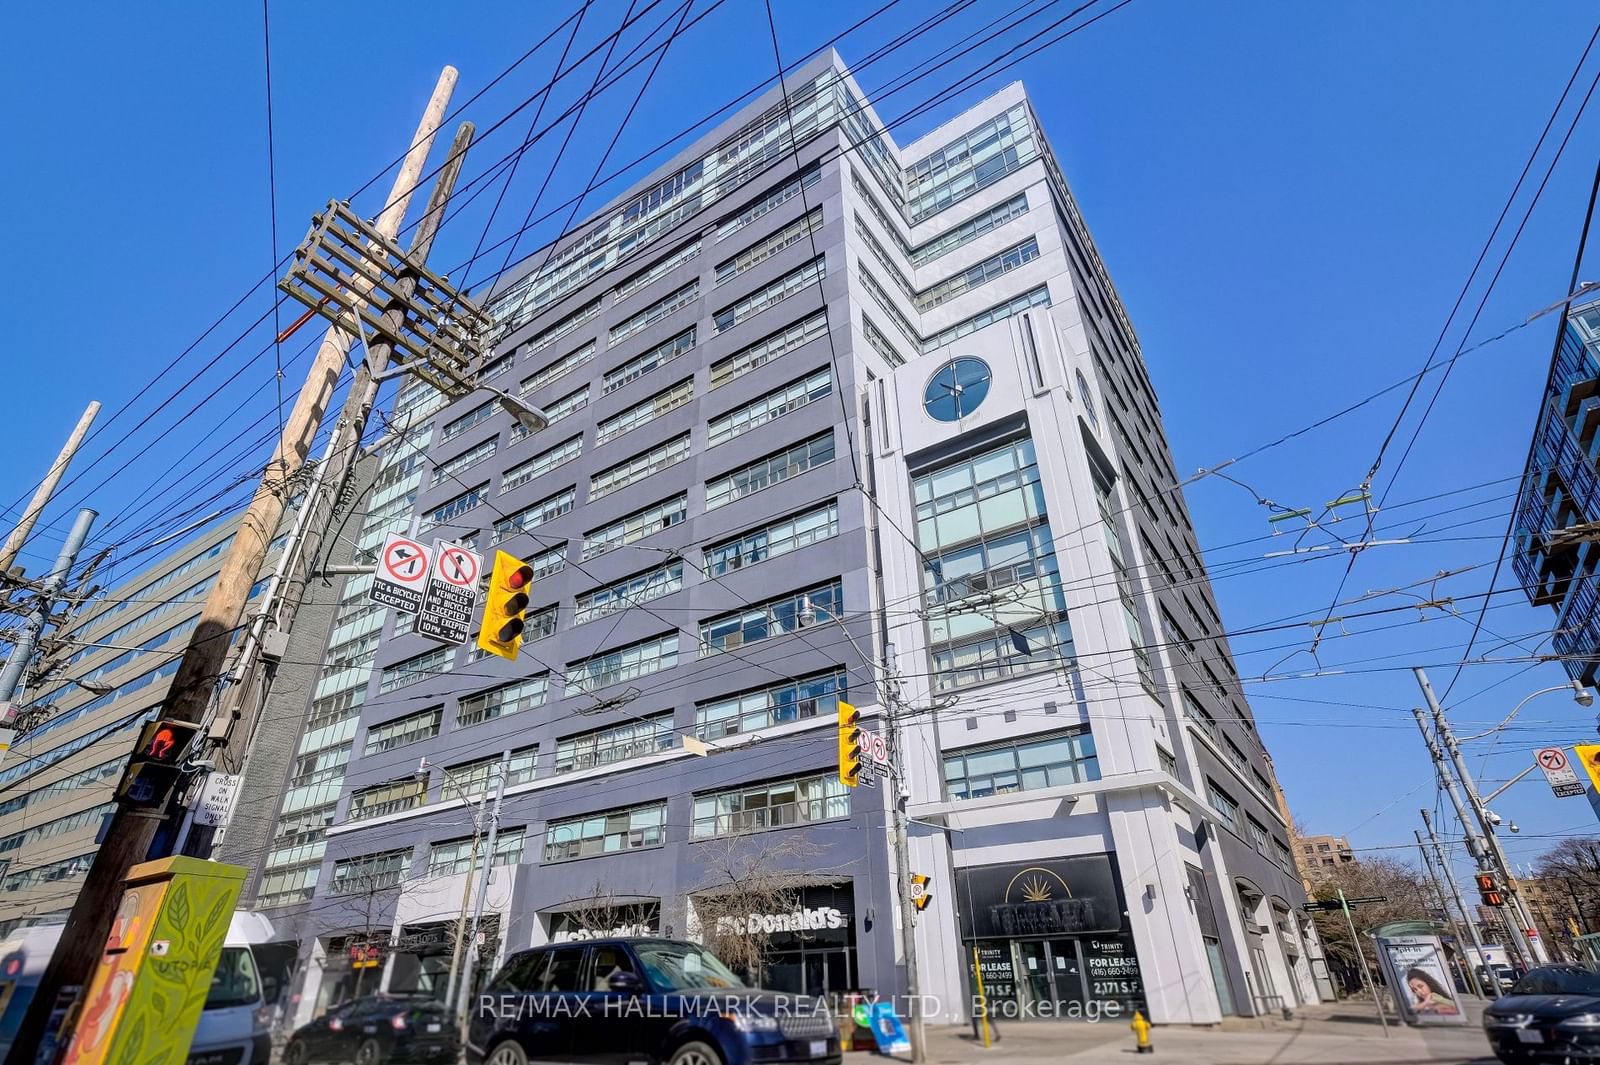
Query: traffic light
x=1488 y=891
x=156 y=763
x=501 y=631
x=849 y=744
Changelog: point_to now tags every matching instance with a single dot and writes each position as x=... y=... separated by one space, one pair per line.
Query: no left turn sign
x=1558 y=771
x=1552 y=758
x=401 y=575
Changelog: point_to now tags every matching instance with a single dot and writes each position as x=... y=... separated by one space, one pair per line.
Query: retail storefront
x=642 y=918
x=811 y=949
x=1051 y=939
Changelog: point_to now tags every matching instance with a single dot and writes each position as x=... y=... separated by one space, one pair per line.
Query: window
x=455 y=855
x=775 y=404
x=558 y=369
x=655 y=312
x=880 y=343
x=752 y=808
x=1280 y=854
x=369 y=872
x=648 y=361
x=1258 y=833
x=607 y=833
x=59 y=826
x=616 y=743
x=625 y=663
x=48 y=874
x=775 y=617
x=775 y=469
x=981 y=525
x=448 y=511
x=970 y=230
x=776 y=704
x=1227 y=809
x=503 y=701
x=1038 y=297
x=636 y=469
x=977 y=274
x=1200 y=716
x=450 y=468
x=403 y=730
x=636 y=526
x=773 y=346
x=630 y=418
x=980 y=158
x=770 y=295
x=656 y=271
x=629 y=591
x=896 y=315
x=770 y=541
x=546 y=563
x=885 y=260
x=1168 y=761
x=390 y=797
x=469 y=780
x=417 y=667
x=531 y=517
x=553 y=333
x=542 y=463
x=775 y=198
x=477 y=415
x=793 y=233
x=1022 y=765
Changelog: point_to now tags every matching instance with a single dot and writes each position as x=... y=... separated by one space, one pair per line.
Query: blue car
x=637 y=1000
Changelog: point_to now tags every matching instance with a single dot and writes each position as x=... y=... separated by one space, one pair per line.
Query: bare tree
x=1408 y=899
x=751 y=874
x=601 y=911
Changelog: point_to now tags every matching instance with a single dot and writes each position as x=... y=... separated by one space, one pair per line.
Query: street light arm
x=1570 y=686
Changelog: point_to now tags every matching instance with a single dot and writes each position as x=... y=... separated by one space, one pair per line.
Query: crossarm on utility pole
x=128 y=838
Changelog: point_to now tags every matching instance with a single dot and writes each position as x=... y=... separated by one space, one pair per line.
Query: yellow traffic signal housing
x=504 y=606
x=849 y=744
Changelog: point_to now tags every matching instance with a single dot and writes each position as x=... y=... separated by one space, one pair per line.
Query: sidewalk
x=1334 y=1034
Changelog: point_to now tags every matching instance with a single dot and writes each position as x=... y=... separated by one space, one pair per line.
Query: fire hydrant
x=1141 y=1031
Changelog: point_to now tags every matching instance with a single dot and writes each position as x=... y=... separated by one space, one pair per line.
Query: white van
x=233 y=1028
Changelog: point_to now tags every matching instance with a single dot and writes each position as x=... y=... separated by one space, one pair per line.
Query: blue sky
x=1289 y=197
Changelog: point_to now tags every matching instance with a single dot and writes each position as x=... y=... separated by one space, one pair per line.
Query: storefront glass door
x=1053 y=974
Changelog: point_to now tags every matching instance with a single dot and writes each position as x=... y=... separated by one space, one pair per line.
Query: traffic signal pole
x=1475 y=845
x=128 y=838
x=1455 y=893
x=1532 y=948
x=39 y=616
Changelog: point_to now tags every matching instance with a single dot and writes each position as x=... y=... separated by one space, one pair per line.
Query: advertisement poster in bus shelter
x=1415 y=969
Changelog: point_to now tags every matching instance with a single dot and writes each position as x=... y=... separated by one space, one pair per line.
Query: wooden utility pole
x=46 y=489
x=129 y=836
x=234 y=726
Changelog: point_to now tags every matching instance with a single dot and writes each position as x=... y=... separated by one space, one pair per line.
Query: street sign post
x=1558 y=771
x=401 y=575
x=450 y=594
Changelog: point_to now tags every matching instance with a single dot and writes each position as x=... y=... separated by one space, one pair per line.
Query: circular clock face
x=956 y=389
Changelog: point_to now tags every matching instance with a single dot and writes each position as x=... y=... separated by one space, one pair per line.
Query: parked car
x=1497 y=979
x=1551 y=1014
x=377 y=1030
x=639 y=1000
